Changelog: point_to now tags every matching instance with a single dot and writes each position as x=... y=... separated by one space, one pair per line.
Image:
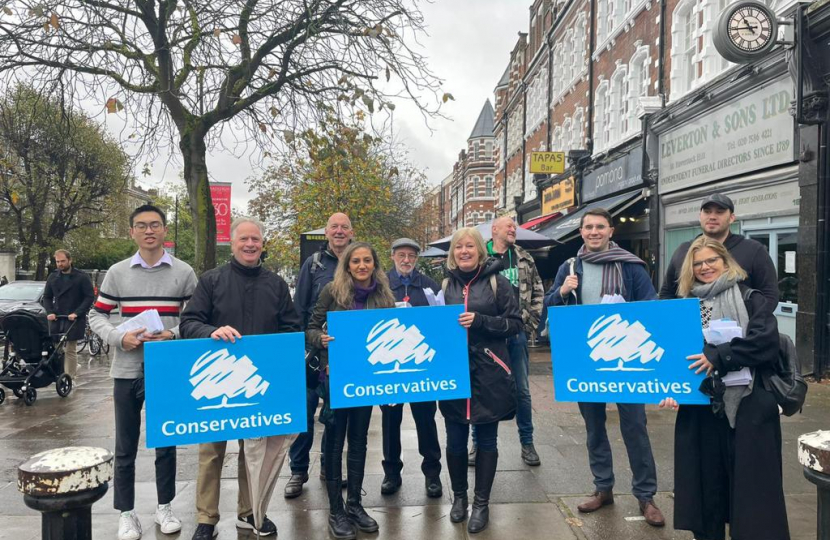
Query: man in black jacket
x=237 y=299
x=317 y=271
x=68 y=292
x=409 y=285
x=717 y=213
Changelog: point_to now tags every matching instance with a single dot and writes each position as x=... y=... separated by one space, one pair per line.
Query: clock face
x=750 y=28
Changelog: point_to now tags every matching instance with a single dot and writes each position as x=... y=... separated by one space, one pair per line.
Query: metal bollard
x=63 y=484
x=814 y=456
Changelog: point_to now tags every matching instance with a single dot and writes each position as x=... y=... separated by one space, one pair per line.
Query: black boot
x=457 y=465
x=339 y=525
x=354 y=510
x=486 y=462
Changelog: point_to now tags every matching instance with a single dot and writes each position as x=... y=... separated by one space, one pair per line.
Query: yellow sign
x=547 y=162
x=558 y=197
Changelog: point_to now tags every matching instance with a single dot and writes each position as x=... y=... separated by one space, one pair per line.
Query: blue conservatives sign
x=402 y=355
x=203 y=390
x=626 y=353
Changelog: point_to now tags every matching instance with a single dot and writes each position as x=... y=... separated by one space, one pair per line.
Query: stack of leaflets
x=724 y=331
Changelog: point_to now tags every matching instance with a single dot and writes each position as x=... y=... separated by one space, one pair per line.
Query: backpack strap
x=316 y=262
x=444 y=285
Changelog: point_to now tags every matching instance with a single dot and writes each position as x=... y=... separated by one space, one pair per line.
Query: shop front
x=745 y=147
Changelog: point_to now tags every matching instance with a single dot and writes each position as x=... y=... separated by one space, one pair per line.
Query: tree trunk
x=194 y=153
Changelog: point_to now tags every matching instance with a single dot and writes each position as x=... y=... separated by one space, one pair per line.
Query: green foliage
x=92 y=251
x=59 y=171
x=338 y=168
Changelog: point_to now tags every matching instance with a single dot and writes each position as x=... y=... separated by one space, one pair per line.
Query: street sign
x=627 y=353
x=558 y=197
x=402 y=355
x=547 y=162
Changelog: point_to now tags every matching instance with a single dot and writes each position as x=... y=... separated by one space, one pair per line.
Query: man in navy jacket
x=408 y=285
x=602 y=268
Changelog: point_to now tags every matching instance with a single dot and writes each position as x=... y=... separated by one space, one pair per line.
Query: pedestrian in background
x=727 y=456
x=491 y=316
x=359 y=283
x=150 y=279
x=240 y=298
x=68 y=293
x=410 y=286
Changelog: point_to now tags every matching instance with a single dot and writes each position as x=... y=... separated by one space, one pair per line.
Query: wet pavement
x=527 y=502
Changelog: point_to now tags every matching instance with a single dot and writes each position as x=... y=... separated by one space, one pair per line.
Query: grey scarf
x=727 y=303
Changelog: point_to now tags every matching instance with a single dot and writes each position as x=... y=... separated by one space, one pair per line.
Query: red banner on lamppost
x=220 y=193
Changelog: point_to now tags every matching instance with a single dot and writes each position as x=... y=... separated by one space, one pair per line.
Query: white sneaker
x=168 y=523
x=129 y=528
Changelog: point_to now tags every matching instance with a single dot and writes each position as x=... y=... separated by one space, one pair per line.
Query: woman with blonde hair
x=359 y=283
x=728 y=454
x=491 y=315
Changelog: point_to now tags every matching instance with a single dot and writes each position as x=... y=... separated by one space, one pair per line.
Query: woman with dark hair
x=491 y=315
x=727 y=456
x=359 y=283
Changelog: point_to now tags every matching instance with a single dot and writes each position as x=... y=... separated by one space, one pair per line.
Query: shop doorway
x=781 y=245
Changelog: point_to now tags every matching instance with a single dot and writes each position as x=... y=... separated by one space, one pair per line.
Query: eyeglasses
x=708 y=262
x=406 y=256
x=154 y=226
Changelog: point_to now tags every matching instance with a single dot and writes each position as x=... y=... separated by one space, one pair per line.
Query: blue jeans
x=637 y=445
x=457 y=434
x=520 y=364
x=300 y=448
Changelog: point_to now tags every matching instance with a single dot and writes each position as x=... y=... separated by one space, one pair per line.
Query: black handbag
x=785 y=381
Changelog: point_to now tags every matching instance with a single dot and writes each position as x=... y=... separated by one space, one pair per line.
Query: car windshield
x=21 y=291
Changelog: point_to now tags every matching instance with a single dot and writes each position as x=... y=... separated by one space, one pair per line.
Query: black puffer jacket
x=497 y=318
x=252 y=300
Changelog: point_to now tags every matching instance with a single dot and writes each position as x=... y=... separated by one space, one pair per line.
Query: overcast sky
x=468 y=47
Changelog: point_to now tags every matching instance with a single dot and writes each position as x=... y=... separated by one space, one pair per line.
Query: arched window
x=568 y=70
x=602 y=116
x=578 y=141
x=639 y=81
x=567 y=134
x=557 y=141
x=619 y=103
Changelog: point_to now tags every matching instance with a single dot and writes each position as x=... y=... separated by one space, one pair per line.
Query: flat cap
x=718 y=199
x=406 y=242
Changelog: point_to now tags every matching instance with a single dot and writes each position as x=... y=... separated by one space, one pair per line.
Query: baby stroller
x=33 y=356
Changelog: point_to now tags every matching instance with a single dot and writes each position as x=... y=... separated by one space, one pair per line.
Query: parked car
x=21 y=295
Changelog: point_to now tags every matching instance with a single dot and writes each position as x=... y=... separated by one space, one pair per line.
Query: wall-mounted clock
x=745 y=31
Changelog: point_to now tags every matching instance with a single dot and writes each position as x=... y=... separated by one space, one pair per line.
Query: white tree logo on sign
x=613 y=339
x=221 y=374
x=391 y=342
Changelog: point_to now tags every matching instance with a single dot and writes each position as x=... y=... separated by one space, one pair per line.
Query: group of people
x=728 y=455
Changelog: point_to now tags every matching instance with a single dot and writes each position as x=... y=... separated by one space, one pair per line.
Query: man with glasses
x=410 y=286
x=600 y=269
x=717 y=214
x=150 y=279
x=316 y=272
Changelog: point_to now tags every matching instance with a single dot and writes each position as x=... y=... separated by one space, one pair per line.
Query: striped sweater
x=133 y=289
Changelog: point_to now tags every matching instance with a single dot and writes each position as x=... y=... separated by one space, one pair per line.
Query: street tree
x=183 y=70
x=338 y=168
x=59 y=171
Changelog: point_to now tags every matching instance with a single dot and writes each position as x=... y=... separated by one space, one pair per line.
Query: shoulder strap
x=316 y=261
x=444 y=285
x=494 y=286
x=748 y=293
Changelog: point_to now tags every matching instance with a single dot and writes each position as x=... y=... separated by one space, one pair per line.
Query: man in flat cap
x=717 y=213
x=408 y=285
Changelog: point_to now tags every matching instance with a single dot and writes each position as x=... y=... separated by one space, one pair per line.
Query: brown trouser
x=211 y=457
x=70 y=359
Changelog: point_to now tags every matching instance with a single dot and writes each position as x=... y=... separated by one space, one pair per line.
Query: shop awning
x=536 y=222
x=563 y=227
x=526 y=239
x=433 y=252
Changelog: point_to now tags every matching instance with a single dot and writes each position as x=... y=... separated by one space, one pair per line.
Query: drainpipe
x=591 y=46
x=661 y=89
